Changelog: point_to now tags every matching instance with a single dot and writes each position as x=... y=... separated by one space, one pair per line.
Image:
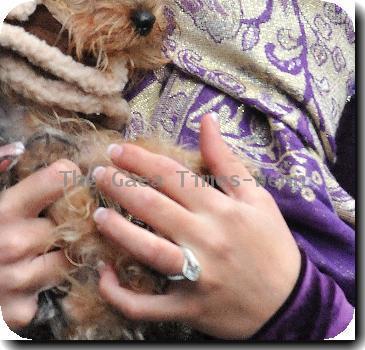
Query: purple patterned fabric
x=279 y=73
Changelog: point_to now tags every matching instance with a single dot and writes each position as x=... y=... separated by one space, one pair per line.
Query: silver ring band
x=191 y=269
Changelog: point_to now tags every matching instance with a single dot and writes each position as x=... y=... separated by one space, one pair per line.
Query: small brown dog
x=76 y=310
x=61 y=62
x=132 y=29
x=78 y=55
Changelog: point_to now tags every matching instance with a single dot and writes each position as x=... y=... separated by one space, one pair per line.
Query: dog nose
x=143 y=21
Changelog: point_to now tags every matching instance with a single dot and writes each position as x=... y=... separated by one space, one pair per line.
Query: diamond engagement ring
x=191 y=268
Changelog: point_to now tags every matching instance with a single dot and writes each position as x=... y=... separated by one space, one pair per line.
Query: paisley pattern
x=279 y=73
x=211 y=16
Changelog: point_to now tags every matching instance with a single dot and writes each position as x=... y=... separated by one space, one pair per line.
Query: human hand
x=25 y=268
x=250 y=261
x=8 y=152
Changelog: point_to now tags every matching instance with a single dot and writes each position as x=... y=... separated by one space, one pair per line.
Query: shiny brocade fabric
x=279 y=73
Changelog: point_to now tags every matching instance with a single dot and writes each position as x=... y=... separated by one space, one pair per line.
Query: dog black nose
x=143 y=21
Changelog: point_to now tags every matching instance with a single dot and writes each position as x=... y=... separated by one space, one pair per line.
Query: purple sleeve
x=317 y=309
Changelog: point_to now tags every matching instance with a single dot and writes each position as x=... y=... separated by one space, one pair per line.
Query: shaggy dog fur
x=100 y=29
x=94 y=40
x=81 y=46
x=78 y=312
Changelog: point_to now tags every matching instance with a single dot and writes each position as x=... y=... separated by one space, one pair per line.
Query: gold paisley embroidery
x=308 y=194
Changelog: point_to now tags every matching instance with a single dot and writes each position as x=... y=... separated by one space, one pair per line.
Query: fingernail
x=4 y=165
x=19 y=148
x=114 y=151
x=98 y=172
x=214 y=116
x=100 y=266
x=100 y=215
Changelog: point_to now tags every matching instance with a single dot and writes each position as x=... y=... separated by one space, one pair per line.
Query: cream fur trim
x=24 y=81
x=53 y=60
x=23 y=11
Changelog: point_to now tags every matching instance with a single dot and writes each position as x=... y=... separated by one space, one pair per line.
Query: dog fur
x=100 y=29
x=84 y=314
x=91 y=37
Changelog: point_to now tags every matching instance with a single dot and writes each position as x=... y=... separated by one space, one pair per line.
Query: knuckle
x=219 y=247
x=165 y=165
x=20 y=282
x=147 y=198
x=225 y=250
x=211 y=285
x=153 y=251
x=61 y=167
x=227 y=210
x=13 y=249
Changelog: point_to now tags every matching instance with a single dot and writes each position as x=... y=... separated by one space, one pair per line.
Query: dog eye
x=143 y=21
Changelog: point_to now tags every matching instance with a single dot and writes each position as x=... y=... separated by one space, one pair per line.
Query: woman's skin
x=25 y=269
x=250 y=261
x=8 y=151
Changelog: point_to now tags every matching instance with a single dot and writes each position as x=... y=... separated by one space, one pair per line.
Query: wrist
x=282 y=309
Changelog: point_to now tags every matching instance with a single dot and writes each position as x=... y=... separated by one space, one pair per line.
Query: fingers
x=25 y=238
x=11 y=150
x=145 y=246
x=19 y=311
x=143 y=307
x=4 y=165
x=173 y=179
x=49 y=270
x=42 y=273
x=143 y=202
x=231 y=174
x=32 y=195
x=8 y=152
